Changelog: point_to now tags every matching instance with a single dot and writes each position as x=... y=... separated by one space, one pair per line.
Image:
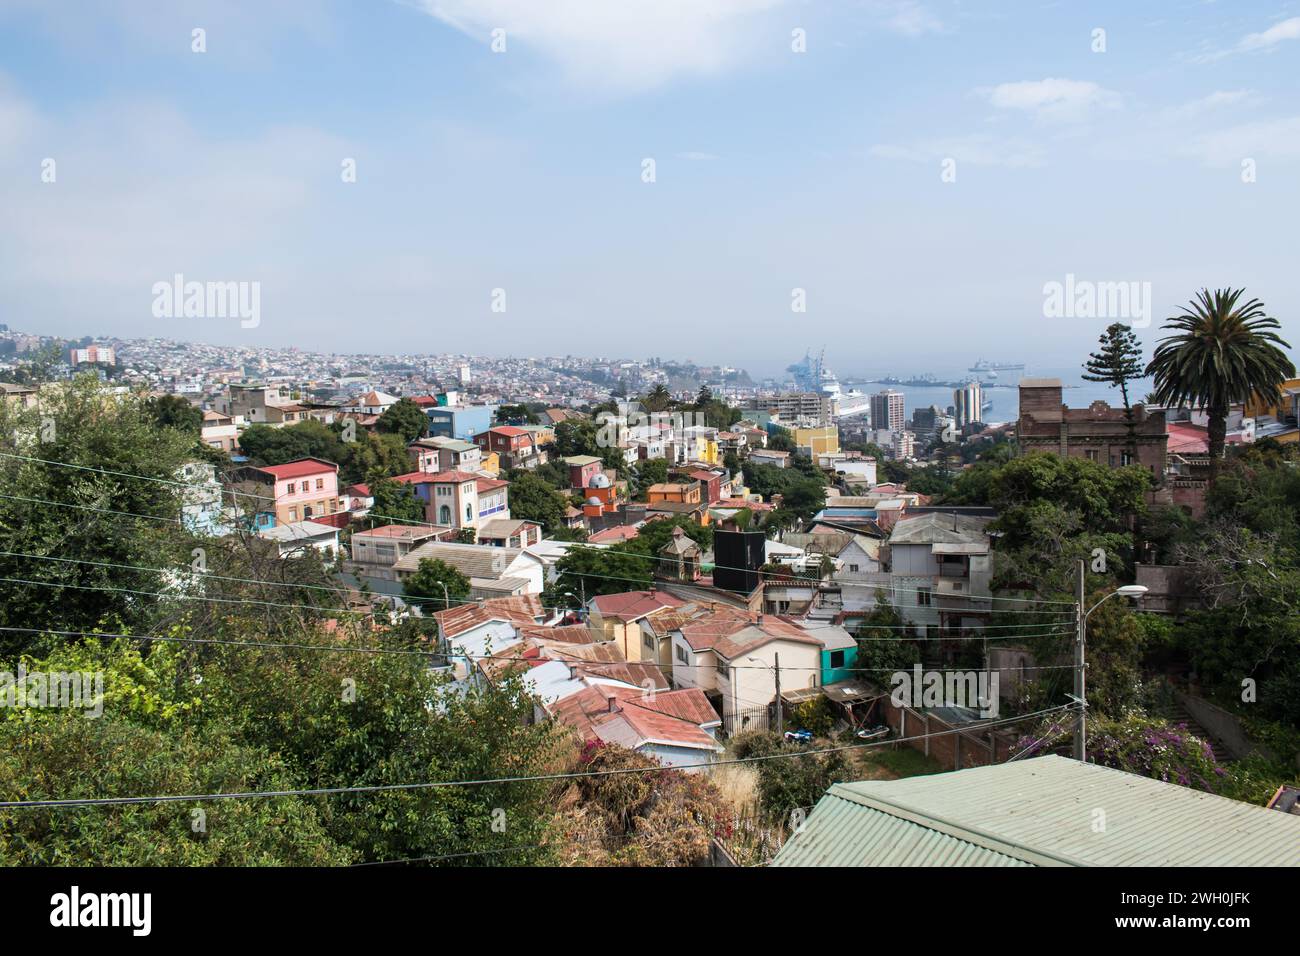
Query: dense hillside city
x=442 y=440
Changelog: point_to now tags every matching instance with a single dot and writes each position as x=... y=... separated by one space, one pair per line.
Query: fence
x=750 y=718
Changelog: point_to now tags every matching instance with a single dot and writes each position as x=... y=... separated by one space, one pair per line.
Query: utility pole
x=780 y=712
x=1080 y=675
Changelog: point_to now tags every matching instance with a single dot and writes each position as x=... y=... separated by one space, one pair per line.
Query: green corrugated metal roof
x=1041 y=812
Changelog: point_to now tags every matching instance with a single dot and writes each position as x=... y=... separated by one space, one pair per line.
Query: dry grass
x=738 y=784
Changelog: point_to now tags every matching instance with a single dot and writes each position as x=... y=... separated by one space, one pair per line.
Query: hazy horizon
x=913 y=174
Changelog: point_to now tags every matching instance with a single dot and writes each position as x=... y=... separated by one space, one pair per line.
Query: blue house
x=460 y=421
x=839 y=654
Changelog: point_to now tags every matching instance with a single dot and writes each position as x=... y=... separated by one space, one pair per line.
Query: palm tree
x=658 y=399
x=1222 y=353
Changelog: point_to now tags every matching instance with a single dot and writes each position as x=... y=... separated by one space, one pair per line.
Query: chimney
x=760 y=618
x=612 y=703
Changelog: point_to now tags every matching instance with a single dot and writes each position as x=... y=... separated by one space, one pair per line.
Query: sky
x=723 y=181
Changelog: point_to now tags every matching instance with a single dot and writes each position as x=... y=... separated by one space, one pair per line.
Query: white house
x=294 y=539
x=940 y=571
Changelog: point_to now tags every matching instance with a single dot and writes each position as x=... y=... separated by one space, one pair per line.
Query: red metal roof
x=631 y=605
x=300 y=468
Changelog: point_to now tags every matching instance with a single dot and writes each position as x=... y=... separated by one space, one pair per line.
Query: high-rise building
x=887 y=410
x=93 y=354
x=806 y=409
x=966 y=404
x=924 y=420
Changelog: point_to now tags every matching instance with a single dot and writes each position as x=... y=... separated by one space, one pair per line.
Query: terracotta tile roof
x=488 y=484
x=632 y=605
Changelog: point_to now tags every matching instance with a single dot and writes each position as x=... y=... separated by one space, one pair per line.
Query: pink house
x=303 y=489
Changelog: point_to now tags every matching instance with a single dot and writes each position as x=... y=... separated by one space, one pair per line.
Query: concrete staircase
x=1177 y=714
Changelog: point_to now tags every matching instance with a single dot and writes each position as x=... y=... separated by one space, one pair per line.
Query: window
x=289 y=488
x=647 y=640
x=837 y=658
x=293 y=514
x=681 y=654
x=320 y=484
x=923 y=597
x=1090 y=454
x=853 y=569
x=1125 y=458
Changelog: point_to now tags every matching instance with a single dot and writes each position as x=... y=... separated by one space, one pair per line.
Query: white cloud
x=911 y=19
x=1052 y=98
x=1265 y=40
x=1286 y=30
x=977 y=150
x=623 y=44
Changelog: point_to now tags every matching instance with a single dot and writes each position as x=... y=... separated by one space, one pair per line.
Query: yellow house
x=490 y=462
x=706 y=450
x=619 y=616
x=1278 y=420
x=816 y=441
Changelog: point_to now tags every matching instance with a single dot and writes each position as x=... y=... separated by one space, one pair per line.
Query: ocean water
x=1006 y=400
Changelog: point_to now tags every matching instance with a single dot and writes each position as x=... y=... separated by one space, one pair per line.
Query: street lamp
x=581 y=603
x=1134 y=591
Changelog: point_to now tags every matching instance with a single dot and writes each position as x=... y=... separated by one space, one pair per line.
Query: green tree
x=594 y=571
x=395 y=502
x=267 y=445
x=1221 y=352
x=658 y=399
x=533 y=499
x=781 y=441
x=91 y=557
x=172 y=411
x=1116 y=363
x=884 y=642
x=424 y=588
x=405 y=419
x=515 y=415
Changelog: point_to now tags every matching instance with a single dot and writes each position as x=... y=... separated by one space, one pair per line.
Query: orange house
x=687 y=494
